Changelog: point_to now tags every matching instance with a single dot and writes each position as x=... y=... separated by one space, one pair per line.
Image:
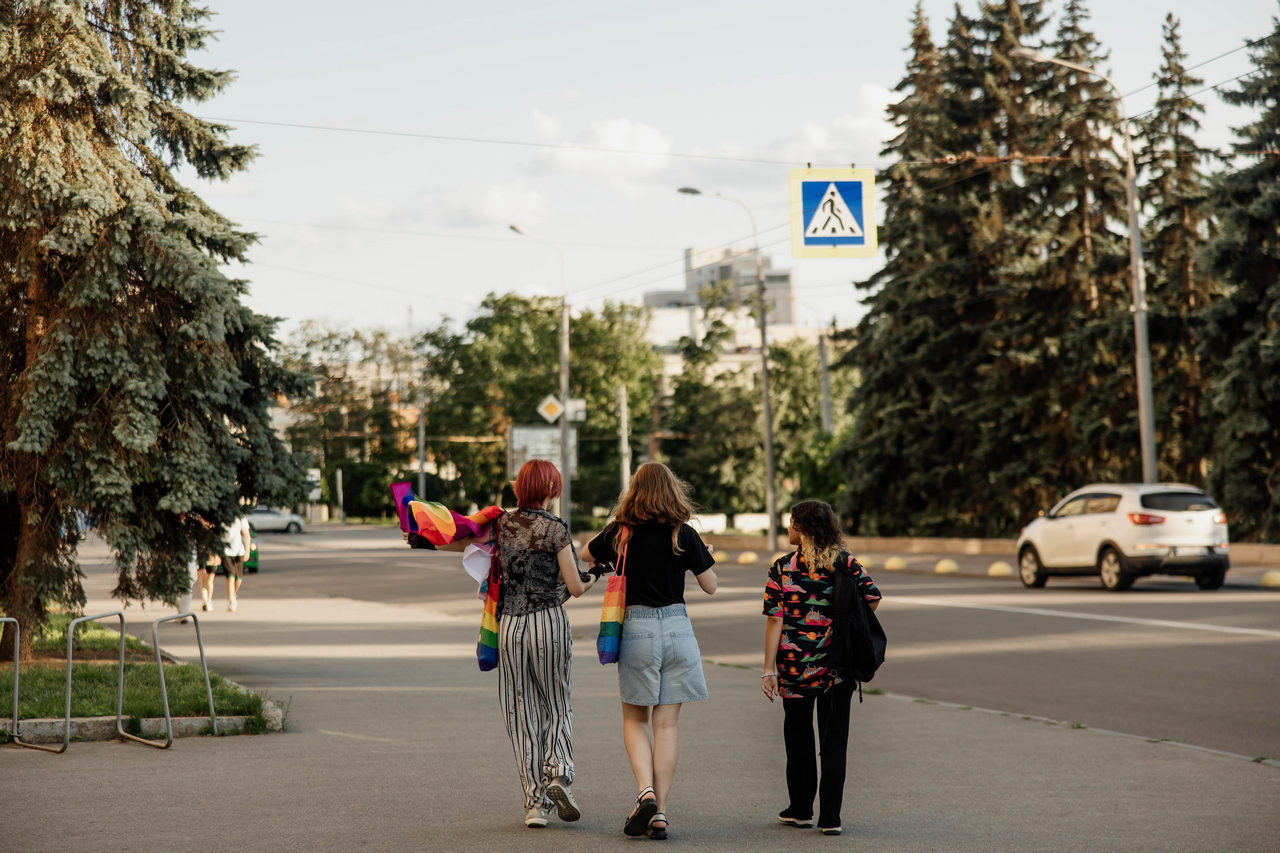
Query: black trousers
x=802 y=761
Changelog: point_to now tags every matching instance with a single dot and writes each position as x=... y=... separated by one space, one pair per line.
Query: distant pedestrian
x=659 y=663
x=235 y=548
x=803 y=611
x=538 y=572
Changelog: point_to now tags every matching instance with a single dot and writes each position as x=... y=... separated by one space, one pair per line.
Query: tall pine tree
x=925 y=431
x=1240 y=335
x=136 y=383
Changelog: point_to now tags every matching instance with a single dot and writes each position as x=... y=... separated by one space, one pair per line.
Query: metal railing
x=164 y=692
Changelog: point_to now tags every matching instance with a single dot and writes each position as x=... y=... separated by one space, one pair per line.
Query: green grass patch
x=90 y=636
x=43 y=691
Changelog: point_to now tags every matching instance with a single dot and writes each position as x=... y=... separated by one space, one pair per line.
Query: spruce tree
x=1174 y=190
x=1240 y=337
x=927 y=427
x=136 y=384
x=1080 y=417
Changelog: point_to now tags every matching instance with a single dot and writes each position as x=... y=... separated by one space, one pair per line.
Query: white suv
x=1125 y=531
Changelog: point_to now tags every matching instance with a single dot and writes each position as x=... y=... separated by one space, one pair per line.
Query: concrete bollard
x=1000 y=569
x=895 y=564
x=748 y=557
x=1271 y=578
x=946 y=566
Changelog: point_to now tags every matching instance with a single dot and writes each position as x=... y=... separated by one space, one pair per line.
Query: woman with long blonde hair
x=659 y=664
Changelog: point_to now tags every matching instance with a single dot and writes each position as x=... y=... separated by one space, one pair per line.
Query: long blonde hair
x=654 y=496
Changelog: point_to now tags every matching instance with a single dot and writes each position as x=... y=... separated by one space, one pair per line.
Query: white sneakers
x=559 y=792
x=536 y=818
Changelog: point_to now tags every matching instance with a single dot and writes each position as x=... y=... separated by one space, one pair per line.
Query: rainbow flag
x=487 y=645
x=435 y=522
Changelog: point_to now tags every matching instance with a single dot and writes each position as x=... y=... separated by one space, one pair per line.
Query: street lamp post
x=1137 y=275
x=770 y=498
x=565 y=498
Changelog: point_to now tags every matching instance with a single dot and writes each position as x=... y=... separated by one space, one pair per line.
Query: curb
x=50 y=729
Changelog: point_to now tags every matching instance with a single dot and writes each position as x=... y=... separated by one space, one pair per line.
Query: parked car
x=1121 y=532
x=264 y=519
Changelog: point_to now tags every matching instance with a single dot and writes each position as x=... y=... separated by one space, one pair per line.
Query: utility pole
x=828 y=418
x=624 y=436
x=770 y=496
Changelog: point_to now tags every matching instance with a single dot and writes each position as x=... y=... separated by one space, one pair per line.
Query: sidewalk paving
x=395 y=742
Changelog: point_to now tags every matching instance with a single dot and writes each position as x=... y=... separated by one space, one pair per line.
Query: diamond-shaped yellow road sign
x=550 y=409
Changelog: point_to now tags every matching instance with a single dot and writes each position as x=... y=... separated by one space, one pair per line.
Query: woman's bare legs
x=653 y=763
x=665 y=747
x=635 y=736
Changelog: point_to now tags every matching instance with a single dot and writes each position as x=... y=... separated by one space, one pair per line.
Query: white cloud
x=648 y=150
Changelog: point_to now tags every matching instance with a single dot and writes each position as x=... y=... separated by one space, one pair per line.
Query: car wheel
x=1211 y=580
x=1030 y=570
x=253 y=570
x=293 y=527
x=1111 y=570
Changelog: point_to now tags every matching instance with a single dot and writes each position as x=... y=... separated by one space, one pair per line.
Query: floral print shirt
x=528 y=541
x=805 y=600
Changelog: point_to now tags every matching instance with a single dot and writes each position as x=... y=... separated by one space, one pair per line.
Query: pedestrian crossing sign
x=833 y=213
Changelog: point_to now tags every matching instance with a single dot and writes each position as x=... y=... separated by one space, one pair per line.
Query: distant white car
x=264 y=519
x=1121 y=532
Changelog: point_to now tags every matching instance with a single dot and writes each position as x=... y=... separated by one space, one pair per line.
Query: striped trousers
x=535 y=664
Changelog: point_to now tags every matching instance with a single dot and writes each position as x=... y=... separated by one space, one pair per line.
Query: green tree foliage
x=1174 y=191
x=1241 y=331
x=357 y=420
x=804 y=448
x=136 y=383
x=995 y=359
x=713 y=433
x=499 y=367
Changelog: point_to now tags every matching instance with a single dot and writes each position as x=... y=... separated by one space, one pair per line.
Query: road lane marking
x=1094 y=617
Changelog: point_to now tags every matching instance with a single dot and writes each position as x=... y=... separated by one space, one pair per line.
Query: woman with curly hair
x=801 y=618
x=659 y=664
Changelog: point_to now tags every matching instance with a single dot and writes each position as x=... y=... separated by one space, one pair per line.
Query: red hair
x=537 y=481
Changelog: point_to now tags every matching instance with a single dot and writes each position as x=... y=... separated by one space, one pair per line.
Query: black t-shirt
x=655 y=575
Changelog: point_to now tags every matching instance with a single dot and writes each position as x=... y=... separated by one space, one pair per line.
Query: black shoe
x=638 y=821
x=794 y=818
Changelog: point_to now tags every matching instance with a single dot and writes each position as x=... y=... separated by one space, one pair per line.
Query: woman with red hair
x=539 y=572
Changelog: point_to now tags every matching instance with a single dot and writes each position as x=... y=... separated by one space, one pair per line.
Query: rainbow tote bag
x=613 y=612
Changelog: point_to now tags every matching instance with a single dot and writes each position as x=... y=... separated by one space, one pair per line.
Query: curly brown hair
x=820 y=538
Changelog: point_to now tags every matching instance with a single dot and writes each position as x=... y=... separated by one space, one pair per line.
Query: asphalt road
x=1163 y=660
x=394 y=741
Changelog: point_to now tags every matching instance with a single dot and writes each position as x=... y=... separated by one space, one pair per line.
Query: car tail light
x=1143 y=518
x=1219 y=518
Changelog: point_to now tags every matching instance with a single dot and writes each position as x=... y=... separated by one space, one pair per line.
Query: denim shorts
x=659 y=663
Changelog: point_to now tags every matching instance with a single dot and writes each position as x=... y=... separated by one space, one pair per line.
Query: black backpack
x=859 y=642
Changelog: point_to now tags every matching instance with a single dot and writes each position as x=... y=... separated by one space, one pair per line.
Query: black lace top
x=528 y=541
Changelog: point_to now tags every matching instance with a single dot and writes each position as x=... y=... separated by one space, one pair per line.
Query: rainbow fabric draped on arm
x=435 y=522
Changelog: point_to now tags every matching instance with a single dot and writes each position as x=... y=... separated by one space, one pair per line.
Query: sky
x=399 y=139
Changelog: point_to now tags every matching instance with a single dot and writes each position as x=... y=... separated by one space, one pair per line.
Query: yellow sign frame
x=802 y=246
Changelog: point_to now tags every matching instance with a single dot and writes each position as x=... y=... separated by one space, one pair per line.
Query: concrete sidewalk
x=395 y=742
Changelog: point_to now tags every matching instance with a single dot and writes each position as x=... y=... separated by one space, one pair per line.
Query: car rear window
x=1178 y=501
